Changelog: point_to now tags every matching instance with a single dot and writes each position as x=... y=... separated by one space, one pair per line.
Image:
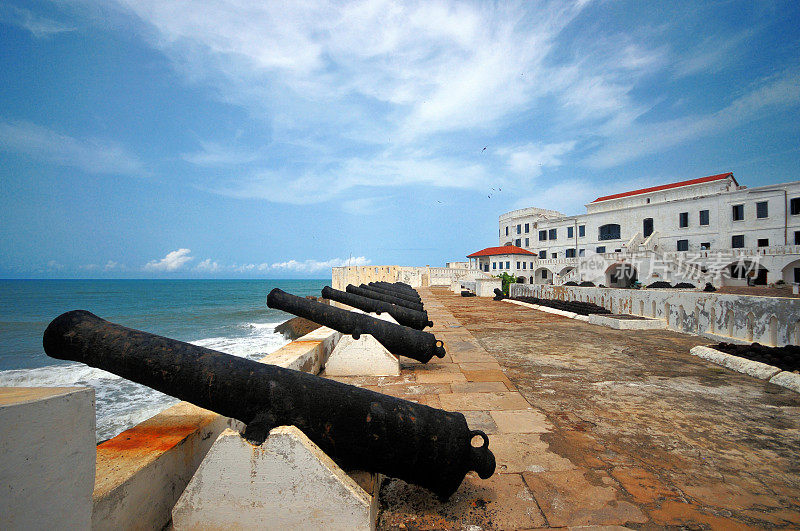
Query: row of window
x=612 y=230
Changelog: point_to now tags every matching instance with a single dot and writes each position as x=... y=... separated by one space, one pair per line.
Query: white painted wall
x=47 y=455
x=771 y=321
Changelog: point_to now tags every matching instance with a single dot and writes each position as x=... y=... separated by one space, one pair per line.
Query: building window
x=569 y=253
x=762 y=209
x=524 y=264
x=647 y=227
x=527 y=228
x=647 y=201
x=763 y=242
x=531 y=265
x=542 y=235
x=527 y=242
x=553 y=255
x=683 y=220
x=794 y=206
x=738 y=212
x=517 y=242
x=506 y=231
x=519 y=229
x=609 y=232
x=600 y=250
x=581 y=252
x=508 y=265
x=570 y=232
x=581 y=231
x=704 y=217
x=542 y=254
x=494 y=265
x=518 y=267
x=737 y=242
x=486 y=268
x=683 y=245
x=705 y=246
x=544 y=273
x=797 y=237
x=501 y=265
x=552 y=235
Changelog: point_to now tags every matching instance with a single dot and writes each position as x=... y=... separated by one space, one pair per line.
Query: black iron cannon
x=393 y=293
x=399 y=340
x=366 y=292
x=397 y=288
x=404 y=316
x=358 y=428
x=499 y=295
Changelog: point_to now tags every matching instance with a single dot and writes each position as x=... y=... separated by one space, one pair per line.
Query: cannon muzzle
x=358 y=428
x=393 y=292
x=404 y=316
x=399 y=340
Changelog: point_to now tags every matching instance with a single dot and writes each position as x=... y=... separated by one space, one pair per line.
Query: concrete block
x=455 y=286
x=756 y=369
x=790 y=380
x=286 y=483
x=47 y=455
x=364 y=356
x=627 y=324
x=484 y=287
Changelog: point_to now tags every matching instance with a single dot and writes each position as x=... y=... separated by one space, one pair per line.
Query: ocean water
x=226 y=315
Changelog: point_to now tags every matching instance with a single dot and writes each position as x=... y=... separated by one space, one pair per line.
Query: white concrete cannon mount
x=286 y=483
x=364 y=356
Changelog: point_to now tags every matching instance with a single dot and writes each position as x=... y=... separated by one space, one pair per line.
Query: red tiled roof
x=506 y=249
x=701 y=180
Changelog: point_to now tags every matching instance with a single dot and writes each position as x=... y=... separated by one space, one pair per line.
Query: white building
x=701 y=230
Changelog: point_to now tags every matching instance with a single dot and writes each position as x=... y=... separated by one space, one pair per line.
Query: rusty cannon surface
x=358 y=428
x=396 y=288
x=392 y=292
x=404 y=316
x=399 y=340
x=365 y=291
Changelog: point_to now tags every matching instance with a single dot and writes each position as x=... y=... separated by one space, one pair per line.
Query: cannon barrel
x=393 y=293
x=399 y=289
x=404 y=316
x=366 y=292
x=372 y=293
x=399 y=340
x=358 y=428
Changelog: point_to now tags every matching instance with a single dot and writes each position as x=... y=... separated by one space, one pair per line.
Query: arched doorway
x=791 y=273
x=543 y=276
x=745 y=273
x=621 y=275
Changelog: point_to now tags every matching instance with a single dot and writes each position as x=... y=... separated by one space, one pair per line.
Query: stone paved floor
x=593 y=426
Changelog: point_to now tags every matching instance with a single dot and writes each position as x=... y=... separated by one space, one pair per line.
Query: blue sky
x=145 y=138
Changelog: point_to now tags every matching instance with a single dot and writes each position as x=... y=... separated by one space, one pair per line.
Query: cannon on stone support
x=372 y=294
x=393 y=293
x=399 y=340
x=358 y=428
x=396 y=288
x=404 y=316
x=369 y=291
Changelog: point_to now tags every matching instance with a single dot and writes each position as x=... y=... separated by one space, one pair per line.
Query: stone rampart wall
x=771 y=321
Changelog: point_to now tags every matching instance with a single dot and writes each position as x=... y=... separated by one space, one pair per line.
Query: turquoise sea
x=226 y=315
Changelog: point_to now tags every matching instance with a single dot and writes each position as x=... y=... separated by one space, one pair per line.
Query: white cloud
x=213 y=154
x=40 y=27
x=111 y=265
x=174 y=261
x=208 y=266
x=712 y=54
x=529 y=159
x=643 y=139
x=315 y=266
x=91 y=155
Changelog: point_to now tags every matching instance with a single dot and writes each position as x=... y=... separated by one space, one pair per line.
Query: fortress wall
x=773 y=321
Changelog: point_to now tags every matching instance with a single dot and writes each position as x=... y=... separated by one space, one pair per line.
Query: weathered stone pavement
x=599 y=427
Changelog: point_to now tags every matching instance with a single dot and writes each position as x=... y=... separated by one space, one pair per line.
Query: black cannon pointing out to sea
x=404 y=316
x=358 y=428
x=399 y=340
